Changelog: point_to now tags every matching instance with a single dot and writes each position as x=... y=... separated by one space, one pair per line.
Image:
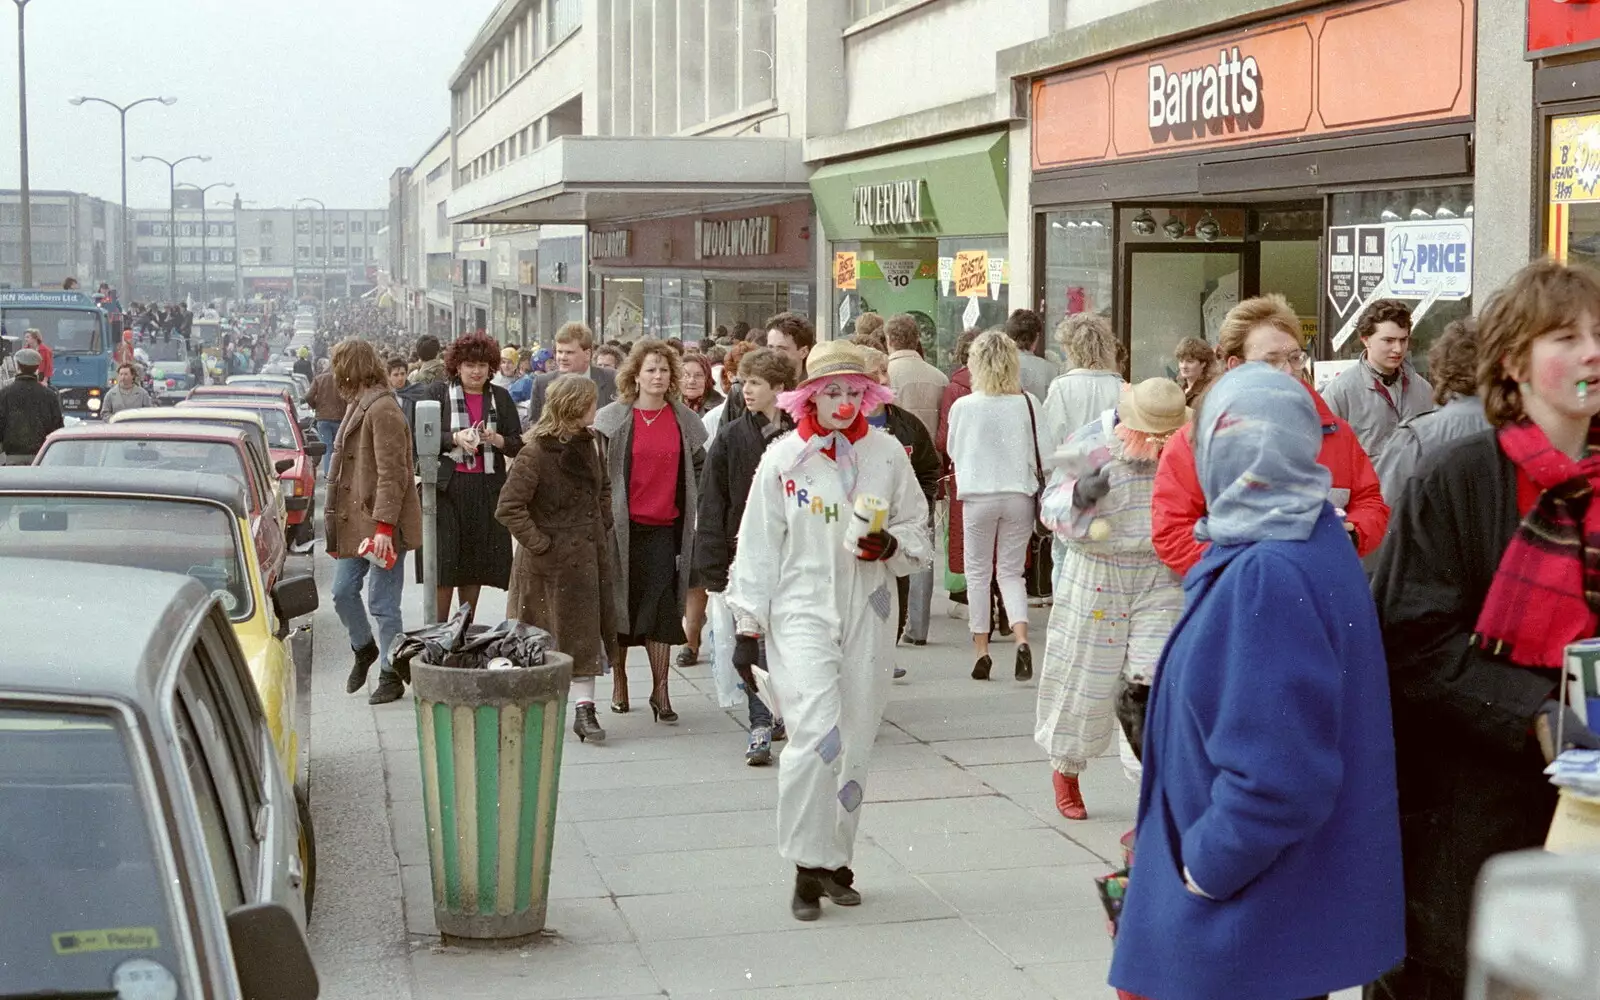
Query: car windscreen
x=279 y=432
x=289 y=384
x=87 y=905
x=215 y=457
x=66 y=331
x=173 y=536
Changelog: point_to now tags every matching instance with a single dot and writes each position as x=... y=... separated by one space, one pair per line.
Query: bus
x=78 y=335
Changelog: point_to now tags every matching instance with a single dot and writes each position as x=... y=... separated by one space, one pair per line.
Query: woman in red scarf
x=1491 y=568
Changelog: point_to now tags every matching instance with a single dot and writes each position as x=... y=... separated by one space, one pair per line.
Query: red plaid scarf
x=1546 y=591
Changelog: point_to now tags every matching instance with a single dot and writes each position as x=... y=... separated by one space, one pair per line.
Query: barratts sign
x=1206 y=99
x=734 y=237
x=897 y=203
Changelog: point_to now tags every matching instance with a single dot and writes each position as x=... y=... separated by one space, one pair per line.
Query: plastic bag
x=456 y=644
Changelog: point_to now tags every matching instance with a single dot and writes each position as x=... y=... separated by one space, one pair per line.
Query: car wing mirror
x=270 y=954
x=283 y=465
x=295 y=596
x=316 y=449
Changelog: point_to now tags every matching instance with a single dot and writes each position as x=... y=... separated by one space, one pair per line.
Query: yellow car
x=180 y=522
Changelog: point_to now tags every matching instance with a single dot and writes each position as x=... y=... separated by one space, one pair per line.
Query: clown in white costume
x=827 y=612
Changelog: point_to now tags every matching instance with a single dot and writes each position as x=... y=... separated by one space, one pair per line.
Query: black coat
x=1470 y=772
x=912 y=433
x=724 y=488
x=29 y=411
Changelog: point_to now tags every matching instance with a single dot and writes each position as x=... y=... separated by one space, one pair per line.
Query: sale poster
x=972 y=273
x=844 y=270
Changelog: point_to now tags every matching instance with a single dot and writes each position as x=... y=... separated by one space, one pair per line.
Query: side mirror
x=283 y=465
x=296 y=503
x=295 y=596
x=270 y=955
x=316 y=448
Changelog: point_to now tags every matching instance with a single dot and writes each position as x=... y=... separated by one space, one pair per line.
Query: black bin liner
x=454 y=643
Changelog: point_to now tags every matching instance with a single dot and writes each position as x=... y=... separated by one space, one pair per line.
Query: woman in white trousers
x=993 y=444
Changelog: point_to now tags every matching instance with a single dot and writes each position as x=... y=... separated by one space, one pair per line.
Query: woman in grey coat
x=655 y=449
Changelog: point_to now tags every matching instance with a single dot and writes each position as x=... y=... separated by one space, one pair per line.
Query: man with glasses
x=1264 y=329
x=1380 y=390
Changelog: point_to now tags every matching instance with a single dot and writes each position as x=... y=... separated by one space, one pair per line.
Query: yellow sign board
x=972 y=273
x=844 y=270
x=107 y=939
x=1308 y=329
x=1575 y=159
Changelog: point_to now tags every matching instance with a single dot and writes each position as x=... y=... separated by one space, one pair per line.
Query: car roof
x=218 y=391
x=44 y=600
x=238 y=403
x=159 y=483
x=172 y=430
x=146 y=414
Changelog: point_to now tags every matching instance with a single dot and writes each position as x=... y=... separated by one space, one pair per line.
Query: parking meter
x=427 y=437
x=1536 y=928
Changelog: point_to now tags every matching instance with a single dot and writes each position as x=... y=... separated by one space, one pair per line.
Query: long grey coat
x=615 y=424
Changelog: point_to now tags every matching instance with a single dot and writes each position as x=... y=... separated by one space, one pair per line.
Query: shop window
x=722 y=55
x=918 y=277
x=1434 y=219
x=1077 y=268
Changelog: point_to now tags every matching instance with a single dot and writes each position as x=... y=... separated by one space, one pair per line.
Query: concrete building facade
x=74 y=235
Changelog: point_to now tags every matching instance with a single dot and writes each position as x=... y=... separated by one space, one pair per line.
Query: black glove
x=746 y=655
x=876 y=547
x=1090 y=489
x=1574 y=734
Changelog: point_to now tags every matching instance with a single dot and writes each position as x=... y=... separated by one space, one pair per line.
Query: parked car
x=182 y=447
x=245 y=420
x=151 y=846
x=304 y=415
x=294 y=455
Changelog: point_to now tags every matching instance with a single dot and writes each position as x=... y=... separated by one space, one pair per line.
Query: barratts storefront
x=1170 y=184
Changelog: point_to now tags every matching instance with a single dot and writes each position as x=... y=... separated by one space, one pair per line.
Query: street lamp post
x=125 y=242
x=172 y=215
x=205 y=275
x=322 y=272
x=22 y=129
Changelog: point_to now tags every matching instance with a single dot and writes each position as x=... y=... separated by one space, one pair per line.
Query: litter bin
x=490 y=746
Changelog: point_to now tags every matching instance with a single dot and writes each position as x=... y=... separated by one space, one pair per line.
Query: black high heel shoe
x=666 y=715
x=980 y=670
x=1024 y=663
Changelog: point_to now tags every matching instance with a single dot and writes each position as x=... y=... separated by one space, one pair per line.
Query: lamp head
x=204 y=159
x=75 y=101
x=226 y=184
x=169 y=101
x=138 y=158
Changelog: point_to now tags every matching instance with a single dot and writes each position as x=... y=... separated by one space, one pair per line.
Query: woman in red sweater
x=655 y=449
x=1264 y=329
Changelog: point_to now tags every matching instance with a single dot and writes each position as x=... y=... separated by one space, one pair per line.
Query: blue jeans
x=383 y=598
x=327 y=430
x=760 y=714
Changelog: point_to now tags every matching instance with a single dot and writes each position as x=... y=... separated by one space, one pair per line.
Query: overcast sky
x=290 y=98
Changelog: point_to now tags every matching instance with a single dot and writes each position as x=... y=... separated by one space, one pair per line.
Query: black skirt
x=654 y=612
x=474 y=548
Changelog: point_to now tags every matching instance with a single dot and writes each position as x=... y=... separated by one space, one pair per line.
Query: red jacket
x=47 y=362
x=1178 y=502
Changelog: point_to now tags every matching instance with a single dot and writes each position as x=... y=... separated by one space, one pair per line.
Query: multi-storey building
x=74 y=235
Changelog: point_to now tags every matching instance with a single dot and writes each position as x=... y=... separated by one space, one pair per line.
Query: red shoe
x=1069 y=800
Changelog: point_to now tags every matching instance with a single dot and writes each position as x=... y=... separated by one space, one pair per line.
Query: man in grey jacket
x=1453 y=363
x=1380 y=390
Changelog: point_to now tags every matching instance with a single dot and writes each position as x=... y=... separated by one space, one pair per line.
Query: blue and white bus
x=79 y=337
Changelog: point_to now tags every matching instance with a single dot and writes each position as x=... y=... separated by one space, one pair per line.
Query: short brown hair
x=873 y=340
x=628 y=374
x=732 y=365
x=356 y=367
x=471 y=348
x=399 y=363
x=1089 y=341
x=1453 y=361
x=1026 y=328
x=902 y=333
x=794 y=326
x=1544 y=296
x=867 y=324
x=130 y=366
x=1269 y=310
x=773 y=367
x=1383 y=311
x=1195 y=349
x=578 y=333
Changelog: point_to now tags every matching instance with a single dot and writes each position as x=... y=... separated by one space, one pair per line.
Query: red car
x=287 y=443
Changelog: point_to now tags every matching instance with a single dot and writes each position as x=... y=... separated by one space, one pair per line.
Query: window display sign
x=844 y=270
x=1428 y=260
x=972 y=273
x=899 y=272
x=1556 y=26
x=1574 y=159
x=1295 y=77
x=1355 y=264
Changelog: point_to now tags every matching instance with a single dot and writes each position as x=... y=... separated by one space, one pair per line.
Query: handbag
x=1039 y=530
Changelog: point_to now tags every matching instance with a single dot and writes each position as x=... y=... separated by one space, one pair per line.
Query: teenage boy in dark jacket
x=725 y=485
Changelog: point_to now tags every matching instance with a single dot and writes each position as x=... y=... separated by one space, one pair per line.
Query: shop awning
x=587 y=179
x=963 y=184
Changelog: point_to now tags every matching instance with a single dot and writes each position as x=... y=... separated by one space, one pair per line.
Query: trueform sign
x=897 y=203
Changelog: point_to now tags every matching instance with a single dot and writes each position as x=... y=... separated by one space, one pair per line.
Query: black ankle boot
x=366 y=656
x=807 y=902
x=839 y=884
x=389 y=689
x=585 y=726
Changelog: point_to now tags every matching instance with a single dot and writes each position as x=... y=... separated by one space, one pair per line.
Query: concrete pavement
x=666 y=880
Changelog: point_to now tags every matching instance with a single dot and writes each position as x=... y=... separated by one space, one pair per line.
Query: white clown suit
x=829 y=621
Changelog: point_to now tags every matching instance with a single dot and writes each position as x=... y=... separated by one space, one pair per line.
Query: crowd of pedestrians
x=1230 y=598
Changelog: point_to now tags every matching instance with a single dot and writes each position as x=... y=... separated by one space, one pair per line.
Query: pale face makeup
x=838 y=405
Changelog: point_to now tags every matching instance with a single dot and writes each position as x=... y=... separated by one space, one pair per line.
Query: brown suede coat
x=557 y=504
x=371 y=478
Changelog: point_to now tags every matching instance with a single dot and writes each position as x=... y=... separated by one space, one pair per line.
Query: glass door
x=1173 y=291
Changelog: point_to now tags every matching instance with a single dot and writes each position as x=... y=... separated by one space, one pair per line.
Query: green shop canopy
x=955 y=188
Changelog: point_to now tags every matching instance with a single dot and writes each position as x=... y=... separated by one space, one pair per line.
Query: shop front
x=1169 y=184
x=919 y=231
x=1564 y=43
x=693 y=276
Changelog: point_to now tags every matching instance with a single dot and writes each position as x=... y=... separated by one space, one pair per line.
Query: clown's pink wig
x=796 y=402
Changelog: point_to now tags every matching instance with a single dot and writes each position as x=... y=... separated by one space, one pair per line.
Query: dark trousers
x=1414 y=981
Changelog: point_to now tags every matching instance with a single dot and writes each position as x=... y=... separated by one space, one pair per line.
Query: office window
x=302 y=253
x=355 y=253
x=563 y=17
x=11 y=215
x=51 y=215
x=227 y=229
x=338 y=227
x=186 y=229
x=530 y=33
x=320 y=251
x=441 y=221
x=213 y=256
x=317 y=229
x=866 y=8
x=186 y=256
x=158 y=256
x=266 y=255
x=264 y=227
x=338 y=253
x=302 y=226
x=213 y=229
x=144 y=255
x=356 y=225
x=227 y=256
x=142 y=228
x=11 y=253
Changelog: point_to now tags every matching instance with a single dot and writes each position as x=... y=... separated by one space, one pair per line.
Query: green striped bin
x=490 y=746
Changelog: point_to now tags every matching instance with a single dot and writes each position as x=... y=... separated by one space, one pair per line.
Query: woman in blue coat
x=1268 y=856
